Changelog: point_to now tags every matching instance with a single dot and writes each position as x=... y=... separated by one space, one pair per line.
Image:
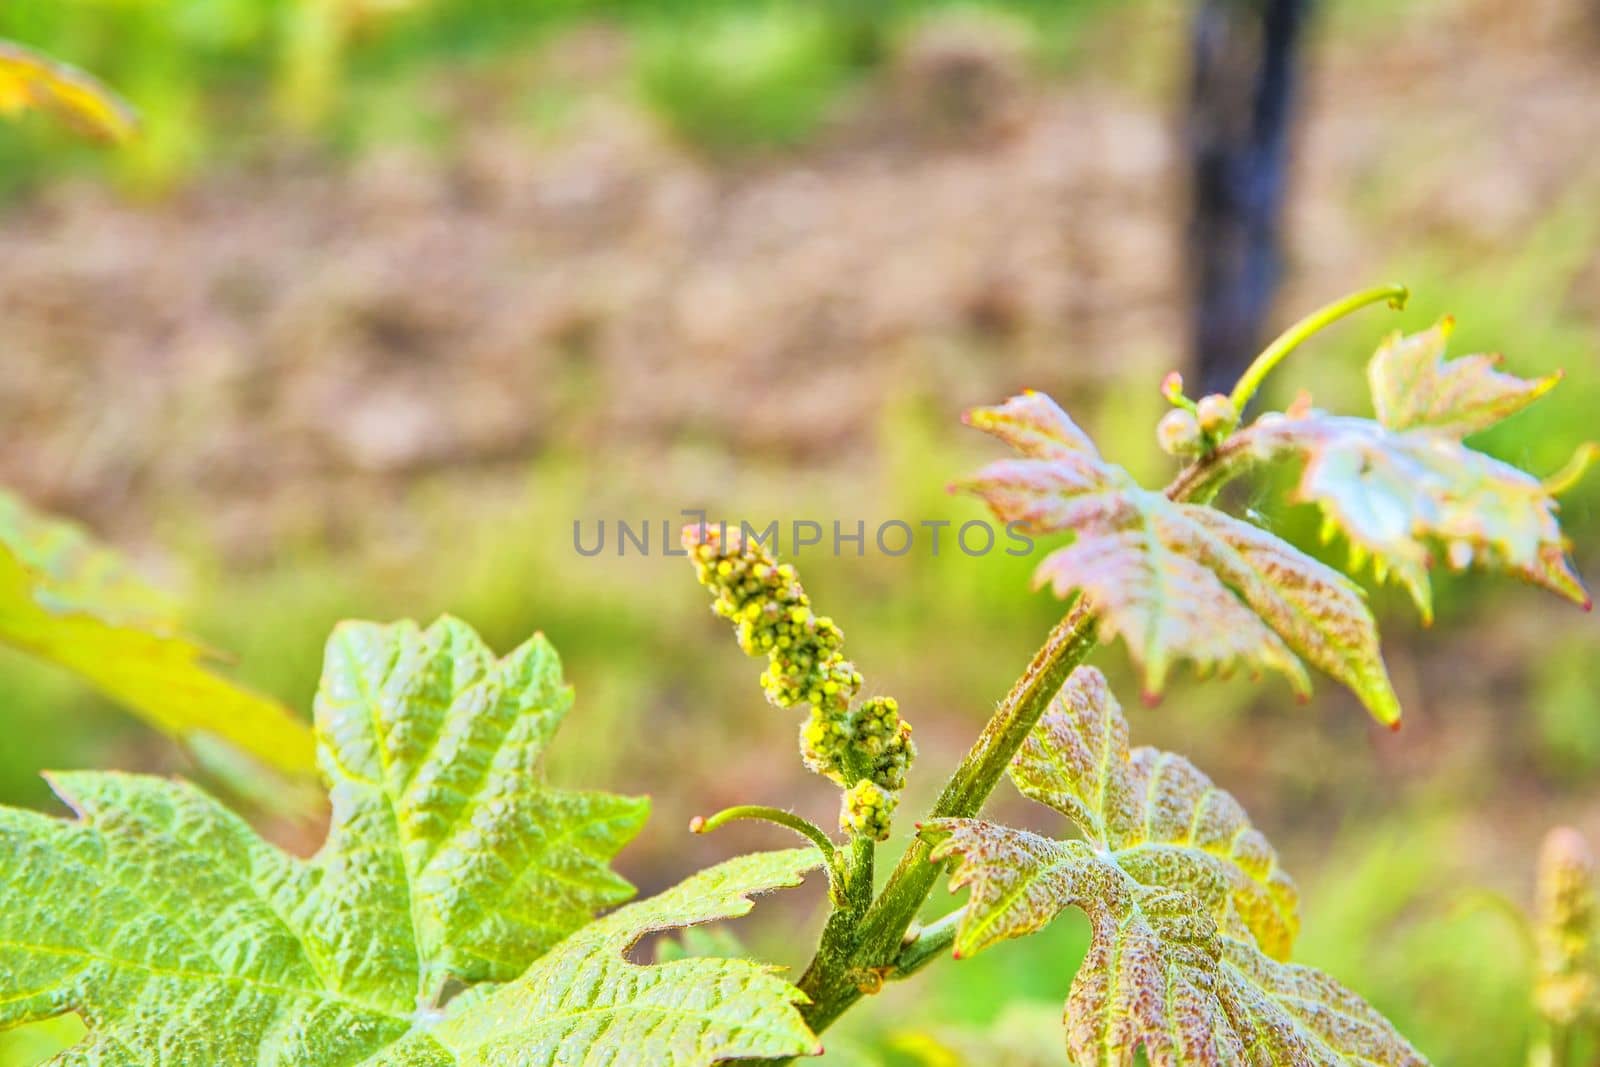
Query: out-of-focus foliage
x=1565 y=707
x=1567 y=991
x=766 y=78
x=68 y=600
x=1025 y=1035
x=1192 y=916
x=29 y=80
x=219 y=77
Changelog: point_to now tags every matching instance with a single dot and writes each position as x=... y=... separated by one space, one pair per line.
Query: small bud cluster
x=866 y=749
x=866 y=810
x=883 y=740
x=1216 y=414
x=1193 y=428
x=1567 y=987
x=1178 y=433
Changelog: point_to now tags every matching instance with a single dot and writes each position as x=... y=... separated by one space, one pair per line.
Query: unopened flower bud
x=866 y=810
x=1178 y=433
x=1217 y=415
x=1172 y=386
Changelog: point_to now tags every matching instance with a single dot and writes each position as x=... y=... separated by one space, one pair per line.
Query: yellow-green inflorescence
x=1568 y=989
x=867 y=748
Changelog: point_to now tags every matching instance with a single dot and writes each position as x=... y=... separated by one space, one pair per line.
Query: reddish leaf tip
x=1394 y=727
x=697 y=825
x=1150 y=698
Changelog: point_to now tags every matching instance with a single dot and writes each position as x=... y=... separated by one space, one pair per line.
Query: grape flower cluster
x=866 y=748
x=1566 y=990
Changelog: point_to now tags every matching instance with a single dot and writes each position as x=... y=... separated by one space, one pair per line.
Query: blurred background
x=391 y=292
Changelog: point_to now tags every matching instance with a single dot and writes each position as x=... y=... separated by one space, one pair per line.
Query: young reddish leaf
x=1404 y=485
x=1191 y=917
x=1035 y=426
x=1149 y=588
x=30 y=80
x=1415 y=388
x=1160 y=815
x=1178 y=581
x=1319 y=613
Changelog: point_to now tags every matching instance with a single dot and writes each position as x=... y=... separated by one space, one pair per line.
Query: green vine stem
x=1394 y=295
x=930 y=942
x=1572 y=472
x=799 y=824
x=856 y=955
x=1199 y=481
x=838 y=878
x=853 y=959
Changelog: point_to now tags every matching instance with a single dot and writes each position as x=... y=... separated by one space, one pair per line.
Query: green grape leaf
x=29 y=80
x=183 y=938
x=1404 y=484
x=431 y=748
x=66 y=599
x=1191 y=917
x=1177 y=581
x=585 y=1003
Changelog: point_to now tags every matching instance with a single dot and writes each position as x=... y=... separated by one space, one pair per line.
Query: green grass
x=769 y=77
x=216 y=80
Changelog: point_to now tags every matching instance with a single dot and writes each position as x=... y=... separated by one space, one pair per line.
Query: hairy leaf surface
x=68 y=600
x=1177 y=581
x=1192 y=918
x=184 y=939
x=585 y=1003
x=1415 y=388
x=30 y=80
x=1404 y=485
